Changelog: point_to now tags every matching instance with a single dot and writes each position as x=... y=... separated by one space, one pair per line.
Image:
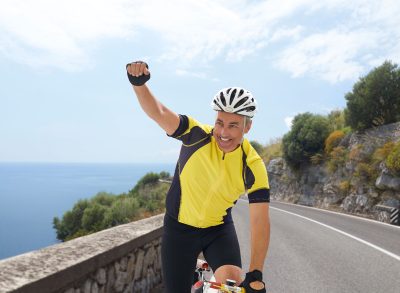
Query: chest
x=211 y=172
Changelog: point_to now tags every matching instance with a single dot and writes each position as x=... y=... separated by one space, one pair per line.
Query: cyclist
x=216 y=165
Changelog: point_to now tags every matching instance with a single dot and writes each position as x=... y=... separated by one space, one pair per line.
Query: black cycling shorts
x=182 y=244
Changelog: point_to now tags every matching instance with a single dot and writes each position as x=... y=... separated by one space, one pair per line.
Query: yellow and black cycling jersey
x=207 y=182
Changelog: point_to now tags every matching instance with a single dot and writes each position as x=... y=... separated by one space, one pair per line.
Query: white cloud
x=331 y=55
x=191 y=73
x=64 y=33
x=368 y=34
x=285 y=33
x=288 y=121
x=58 y=33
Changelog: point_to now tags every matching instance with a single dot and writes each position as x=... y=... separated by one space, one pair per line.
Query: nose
x=223 y=131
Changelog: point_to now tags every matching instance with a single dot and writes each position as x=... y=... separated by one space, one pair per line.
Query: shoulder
x=251 y=154
x=190 y=130
x=195 y=123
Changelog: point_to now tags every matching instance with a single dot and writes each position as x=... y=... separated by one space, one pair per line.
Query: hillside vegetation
x=373 y=102
x=350 y=157
x=106 y=210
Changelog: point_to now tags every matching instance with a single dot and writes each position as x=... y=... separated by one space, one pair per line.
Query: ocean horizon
x=33 y=193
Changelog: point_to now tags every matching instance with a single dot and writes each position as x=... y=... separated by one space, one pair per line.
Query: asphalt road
x=318 y=251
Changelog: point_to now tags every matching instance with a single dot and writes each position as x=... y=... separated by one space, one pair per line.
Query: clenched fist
x=138 y=73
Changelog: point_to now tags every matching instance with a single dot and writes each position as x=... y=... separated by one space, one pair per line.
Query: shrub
x=337 y=158
x=344 y=187
x=103 y=198
x=336 y=119
x=366 y=171
x=393 y=159
x=257 y=146
x=93 y=216
x=148 y=179
x=346 y=130
x=122 y=211
x=333 y=140
x=382 y=153
x=164 y=175
x=79 y=233
x=305 y=139
x=272 y=150
x=356 y=154
x=316 y=159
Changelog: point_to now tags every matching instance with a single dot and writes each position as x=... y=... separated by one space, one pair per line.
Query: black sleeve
x=183 y=126
x=260 y=195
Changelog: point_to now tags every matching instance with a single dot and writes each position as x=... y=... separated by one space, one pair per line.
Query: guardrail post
x=394 y=217
x=388 y=214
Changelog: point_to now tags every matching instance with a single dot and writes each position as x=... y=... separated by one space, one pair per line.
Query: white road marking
x=395 y=256
x=338 y=213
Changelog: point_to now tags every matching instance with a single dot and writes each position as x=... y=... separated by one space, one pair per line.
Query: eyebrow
x=231 y=123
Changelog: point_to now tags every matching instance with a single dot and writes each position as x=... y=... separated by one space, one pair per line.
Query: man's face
x=229 y=130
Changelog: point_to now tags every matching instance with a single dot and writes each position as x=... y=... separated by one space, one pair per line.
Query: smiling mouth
x=224 y=139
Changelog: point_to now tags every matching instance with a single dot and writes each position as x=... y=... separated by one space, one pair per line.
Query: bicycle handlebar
x=225 y=288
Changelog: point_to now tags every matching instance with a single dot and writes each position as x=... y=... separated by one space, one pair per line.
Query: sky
x=65 y=97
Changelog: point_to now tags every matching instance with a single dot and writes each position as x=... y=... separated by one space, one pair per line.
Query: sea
x=32 y=194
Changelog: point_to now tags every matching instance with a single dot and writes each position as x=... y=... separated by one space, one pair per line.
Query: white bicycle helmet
x=235 y=100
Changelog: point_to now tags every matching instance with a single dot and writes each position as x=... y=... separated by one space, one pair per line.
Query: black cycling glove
x=138 y=80
x=253 y=276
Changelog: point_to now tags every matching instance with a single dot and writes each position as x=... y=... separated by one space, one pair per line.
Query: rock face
x=351 y=187
x=386 y=180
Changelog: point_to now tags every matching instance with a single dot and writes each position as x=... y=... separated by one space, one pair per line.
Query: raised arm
x=167 y=119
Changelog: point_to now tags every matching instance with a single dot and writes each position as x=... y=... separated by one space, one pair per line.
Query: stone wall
x=125 y=258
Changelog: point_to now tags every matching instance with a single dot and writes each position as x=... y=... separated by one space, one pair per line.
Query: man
x=216 y=165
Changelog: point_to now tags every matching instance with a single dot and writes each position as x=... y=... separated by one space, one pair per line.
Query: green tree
x=149 y=178
x=164 y=175
x=71 y=221
x=104 y=198
x=93 y=218
x=375 y=98
x=257 y=146
x=337 y=119
x=122 y=211
x=305 y=139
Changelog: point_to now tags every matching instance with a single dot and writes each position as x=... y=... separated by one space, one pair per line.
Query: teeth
x=224 y=139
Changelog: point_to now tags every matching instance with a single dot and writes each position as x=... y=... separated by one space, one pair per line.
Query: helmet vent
x=222 y=98
x=241 y=102
x=233 y=94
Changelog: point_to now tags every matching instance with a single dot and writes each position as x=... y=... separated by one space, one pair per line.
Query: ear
x=247 y=127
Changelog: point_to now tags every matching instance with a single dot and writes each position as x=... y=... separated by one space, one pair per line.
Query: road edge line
x=391 y=254
x=338 y=213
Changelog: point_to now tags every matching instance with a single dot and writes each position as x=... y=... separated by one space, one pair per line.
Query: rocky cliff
x=354 y=181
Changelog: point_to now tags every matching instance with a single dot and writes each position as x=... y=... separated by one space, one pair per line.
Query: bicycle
x=208 y=286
